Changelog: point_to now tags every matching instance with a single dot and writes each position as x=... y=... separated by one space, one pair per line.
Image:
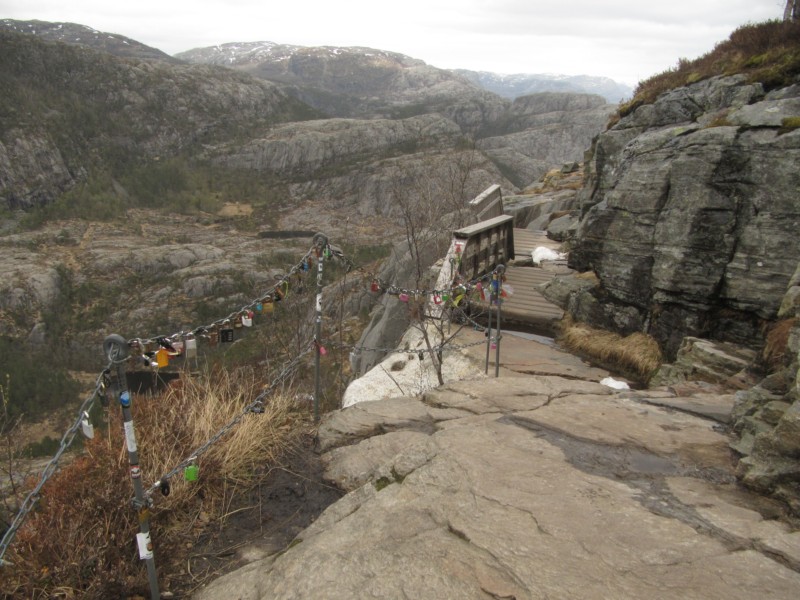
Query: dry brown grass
x=636 y=355
x=768 y=53
x=80 y=543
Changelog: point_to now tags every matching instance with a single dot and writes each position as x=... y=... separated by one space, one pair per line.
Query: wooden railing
x=487 y=204
x=477 y=249
x=483 y=246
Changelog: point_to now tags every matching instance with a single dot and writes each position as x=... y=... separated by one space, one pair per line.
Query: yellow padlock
x=162 y=358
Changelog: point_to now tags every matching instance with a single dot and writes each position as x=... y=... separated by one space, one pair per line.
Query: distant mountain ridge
x=82 y=35
x=255 y=53
x=98 y=103
x=524 y=84
x=357 y=82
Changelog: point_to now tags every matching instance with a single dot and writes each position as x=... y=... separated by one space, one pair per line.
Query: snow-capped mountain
x=523 y=84
x=82 y=35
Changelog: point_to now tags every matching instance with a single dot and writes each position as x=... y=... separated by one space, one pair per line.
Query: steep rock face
x=542 y=130
x=362 y=163
x=767 y=416
x=690 y=217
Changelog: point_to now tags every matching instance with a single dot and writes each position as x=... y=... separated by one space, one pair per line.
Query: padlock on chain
x=191 y=472
x=86 y=426
x=191 y=346
x=162 y=358
x=226 y=333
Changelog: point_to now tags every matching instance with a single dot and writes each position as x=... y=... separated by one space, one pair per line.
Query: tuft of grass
x=81 y=540
x=768 y=53
x=637 y=354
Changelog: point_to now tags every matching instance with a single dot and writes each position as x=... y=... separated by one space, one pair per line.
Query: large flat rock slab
x=527 y=488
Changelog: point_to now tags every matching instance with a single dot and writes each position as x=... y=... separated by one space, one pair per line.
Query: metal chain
x=256 y=406
x=396 y=290
x=33 y=497
x=299 y=267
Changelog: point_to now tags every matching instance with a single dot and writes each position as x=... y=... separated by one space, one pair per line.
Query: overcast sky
x=627 y=40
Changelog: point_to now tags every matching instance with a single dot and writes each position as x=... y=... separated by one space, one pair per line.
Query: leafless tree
x=430 y=206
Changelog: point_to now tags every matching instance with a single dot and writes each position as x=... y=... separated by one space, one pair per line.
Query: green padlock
x=191 y=473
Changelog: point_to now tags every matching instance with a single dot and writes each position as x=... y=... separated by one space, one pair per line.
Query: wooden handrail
x=479 y=248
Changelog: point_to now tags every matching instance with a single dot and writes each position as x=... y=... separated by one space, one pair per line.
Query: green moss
x=756 y=61
x=789 y=124
x=693 y=78
x=382 y=483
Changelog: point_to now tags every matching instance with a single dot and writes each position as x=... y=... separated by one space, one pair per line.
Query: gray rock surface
x=529 y=487
x=543 y=130
x=767 y=417
x=705 y=360
x=691 y=214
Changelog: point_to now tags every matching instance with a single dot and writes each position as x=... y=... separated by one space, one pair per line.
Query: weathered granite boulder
x=563 y=228
x=767 y=419
x=691 y=216
x=705 y=360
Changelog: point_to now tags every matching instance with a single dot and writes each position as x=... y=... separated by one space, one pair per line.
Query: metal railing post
x=497 y=286
x=489 y=332
x=116 y=350
x=321 y=243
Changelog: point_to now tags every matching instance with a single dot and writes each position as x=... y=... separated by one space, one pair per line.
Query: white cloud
x=624 y=39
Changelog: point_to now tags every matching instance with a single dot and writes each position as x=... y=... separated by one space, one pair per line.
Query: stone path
x=533 y=486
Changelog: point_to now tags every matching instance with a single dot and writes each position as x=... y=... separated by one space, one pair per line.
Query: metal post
x=499 y=274
x=321 y=242
x=489 y=332
x=116 y=350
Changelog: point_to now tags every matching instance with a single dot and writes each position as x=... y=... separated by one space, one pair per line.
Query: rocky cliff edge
x=531 y=486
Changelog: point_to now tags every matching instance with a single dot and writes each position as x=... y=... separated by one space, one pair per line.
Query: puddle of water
x=618 y=462
x=547 y=341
